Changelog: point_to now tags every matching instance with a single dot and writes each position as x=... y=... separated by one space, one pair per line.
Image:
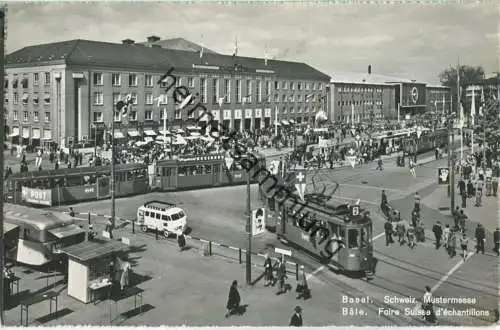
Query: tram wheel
x=144 y=228
x=166 y=234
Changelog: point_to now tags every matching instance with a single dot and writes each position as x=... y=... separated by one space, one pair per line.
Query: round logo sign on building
x=414 y=95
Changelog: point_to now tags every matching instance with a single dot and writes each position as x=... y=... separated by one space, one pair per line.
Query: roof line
x=73 y=49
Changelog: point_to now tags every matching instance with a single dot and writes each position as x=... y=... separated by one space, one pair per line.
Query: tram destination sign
x=37 y=196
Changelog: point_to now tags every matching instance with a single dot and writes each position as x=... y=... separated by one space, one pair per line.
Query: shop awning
x=8 y=227
x=150 y=133
x=119 y=135
x=14 y=134
x=66 y=231
x=285 y=122
x=133 y=133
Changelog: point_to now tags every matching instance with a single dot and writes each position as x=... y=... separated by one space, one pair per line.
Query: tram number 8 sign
x=355 y=210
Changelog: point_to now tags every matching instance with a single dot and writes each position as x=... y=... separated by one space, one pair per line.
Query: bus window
x=164 y=217
x=152 y=214
x=353 y=238
x=217 y=168
x=208 y=169
x=181 y=214
x=146 y=213
x=165 y=224
x=175 y=217
x=160 y=170
x=158 y=216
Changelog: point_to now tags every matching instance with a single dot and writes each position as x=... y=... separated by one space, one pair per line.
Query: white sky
x=407 y=40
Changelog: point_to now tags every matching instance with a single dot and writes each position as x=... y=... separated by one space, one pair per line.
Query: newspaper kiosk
x=92 y=268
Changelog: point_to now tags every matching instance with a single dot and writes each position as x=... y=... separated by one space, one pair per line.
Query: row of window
x=359 y=90
x=133 y=81
x=149 y=99
x=26 y=116
x=23 y=81
x=359 y=116
x=98 y=116
x=26 y=97
x=365 y=102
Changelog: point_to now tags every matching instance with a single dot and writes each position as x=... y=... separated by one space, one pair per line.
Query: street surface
x=217 y=215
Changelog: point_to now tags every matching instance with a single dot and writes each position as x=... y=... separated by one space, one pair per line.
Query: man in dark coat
x=388 y=232
x=496 y=240
x=296 y=320
x=233 y=300
x=461 y=186
x=470 y=189
x=480 y=237
x=438 y=233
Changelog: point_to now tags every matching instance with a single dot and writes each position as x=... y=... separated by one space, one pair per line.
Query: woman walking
x=233 y=300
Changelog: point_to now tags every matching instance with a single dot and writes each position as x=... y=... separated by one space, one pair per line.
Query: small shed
x=91 y=267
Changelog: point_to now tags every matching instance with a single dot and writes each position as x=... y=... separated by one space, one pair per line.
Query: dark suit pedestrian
x=496 y=240
x=438 y=233
x=480 y=237
x=296 y=320
x=462 y=187
x=388 y=232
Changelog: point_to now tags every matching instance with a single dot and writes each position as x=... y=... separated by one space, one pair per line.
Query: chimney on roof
x=152 y=39
x=128 y=41
x=370 y=69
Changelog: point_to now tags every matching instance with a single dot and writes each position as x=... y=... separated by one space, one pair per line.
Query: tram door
x=169 y=178
x=103 y=187
x=216 y=174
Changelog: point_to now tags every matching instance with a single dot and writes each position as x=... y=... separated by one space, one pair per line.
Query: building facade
x=365 y=97
x=438 y=98
x=67 y=91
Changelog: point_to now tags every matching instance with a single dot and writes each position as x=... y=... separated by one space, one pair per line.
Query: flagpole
x=112 y=185
x=165 y=128
x=473 y=110
x=276 y=121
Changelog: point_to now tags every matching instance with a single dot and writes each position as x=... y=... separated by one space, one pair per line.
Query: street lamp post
x=112 y=183
x=249 y=233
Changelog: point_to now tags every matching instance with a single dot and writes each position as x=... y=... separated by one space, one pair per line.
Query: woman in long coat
x=303 y=289
x=233 y=301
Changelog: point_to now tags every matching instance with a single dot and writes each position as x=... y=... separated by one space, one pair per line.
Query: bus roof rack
x=161 y=205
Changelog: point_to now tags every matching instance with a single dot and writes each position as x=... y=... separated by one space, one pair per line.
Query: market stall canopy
x=207 y=138
x=321 y=115
x=180 y=131
x=195 y=134
x=140 y=143
x=179 y=140
x=150 y=133
x=119 y=135
x=193 y=128
x=162 y=139
x=148 y=139
x=191 y=137
x=292 y=121
x=14 y=134
x=285 y=122
x=162 y=132
x=133 y=133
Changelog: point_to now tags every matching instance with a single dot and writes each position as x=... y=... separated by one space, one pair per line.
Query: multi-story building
x=67 y=91
x=362 y=96
x=438 y=98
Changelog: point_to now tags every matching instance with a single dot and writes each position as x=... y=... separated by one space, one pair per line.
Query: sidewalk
x=185 y=288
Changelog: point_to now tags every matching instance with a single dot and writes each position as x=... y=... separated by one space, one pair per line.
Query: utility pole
x=249 y=233
x=2 y=144
x=112 y=183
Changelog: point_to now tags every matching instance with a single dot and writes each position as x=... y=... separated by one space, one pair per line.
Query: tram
x=75 y=185
x=34 y=238
x=191 y=172
x=339 y=236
